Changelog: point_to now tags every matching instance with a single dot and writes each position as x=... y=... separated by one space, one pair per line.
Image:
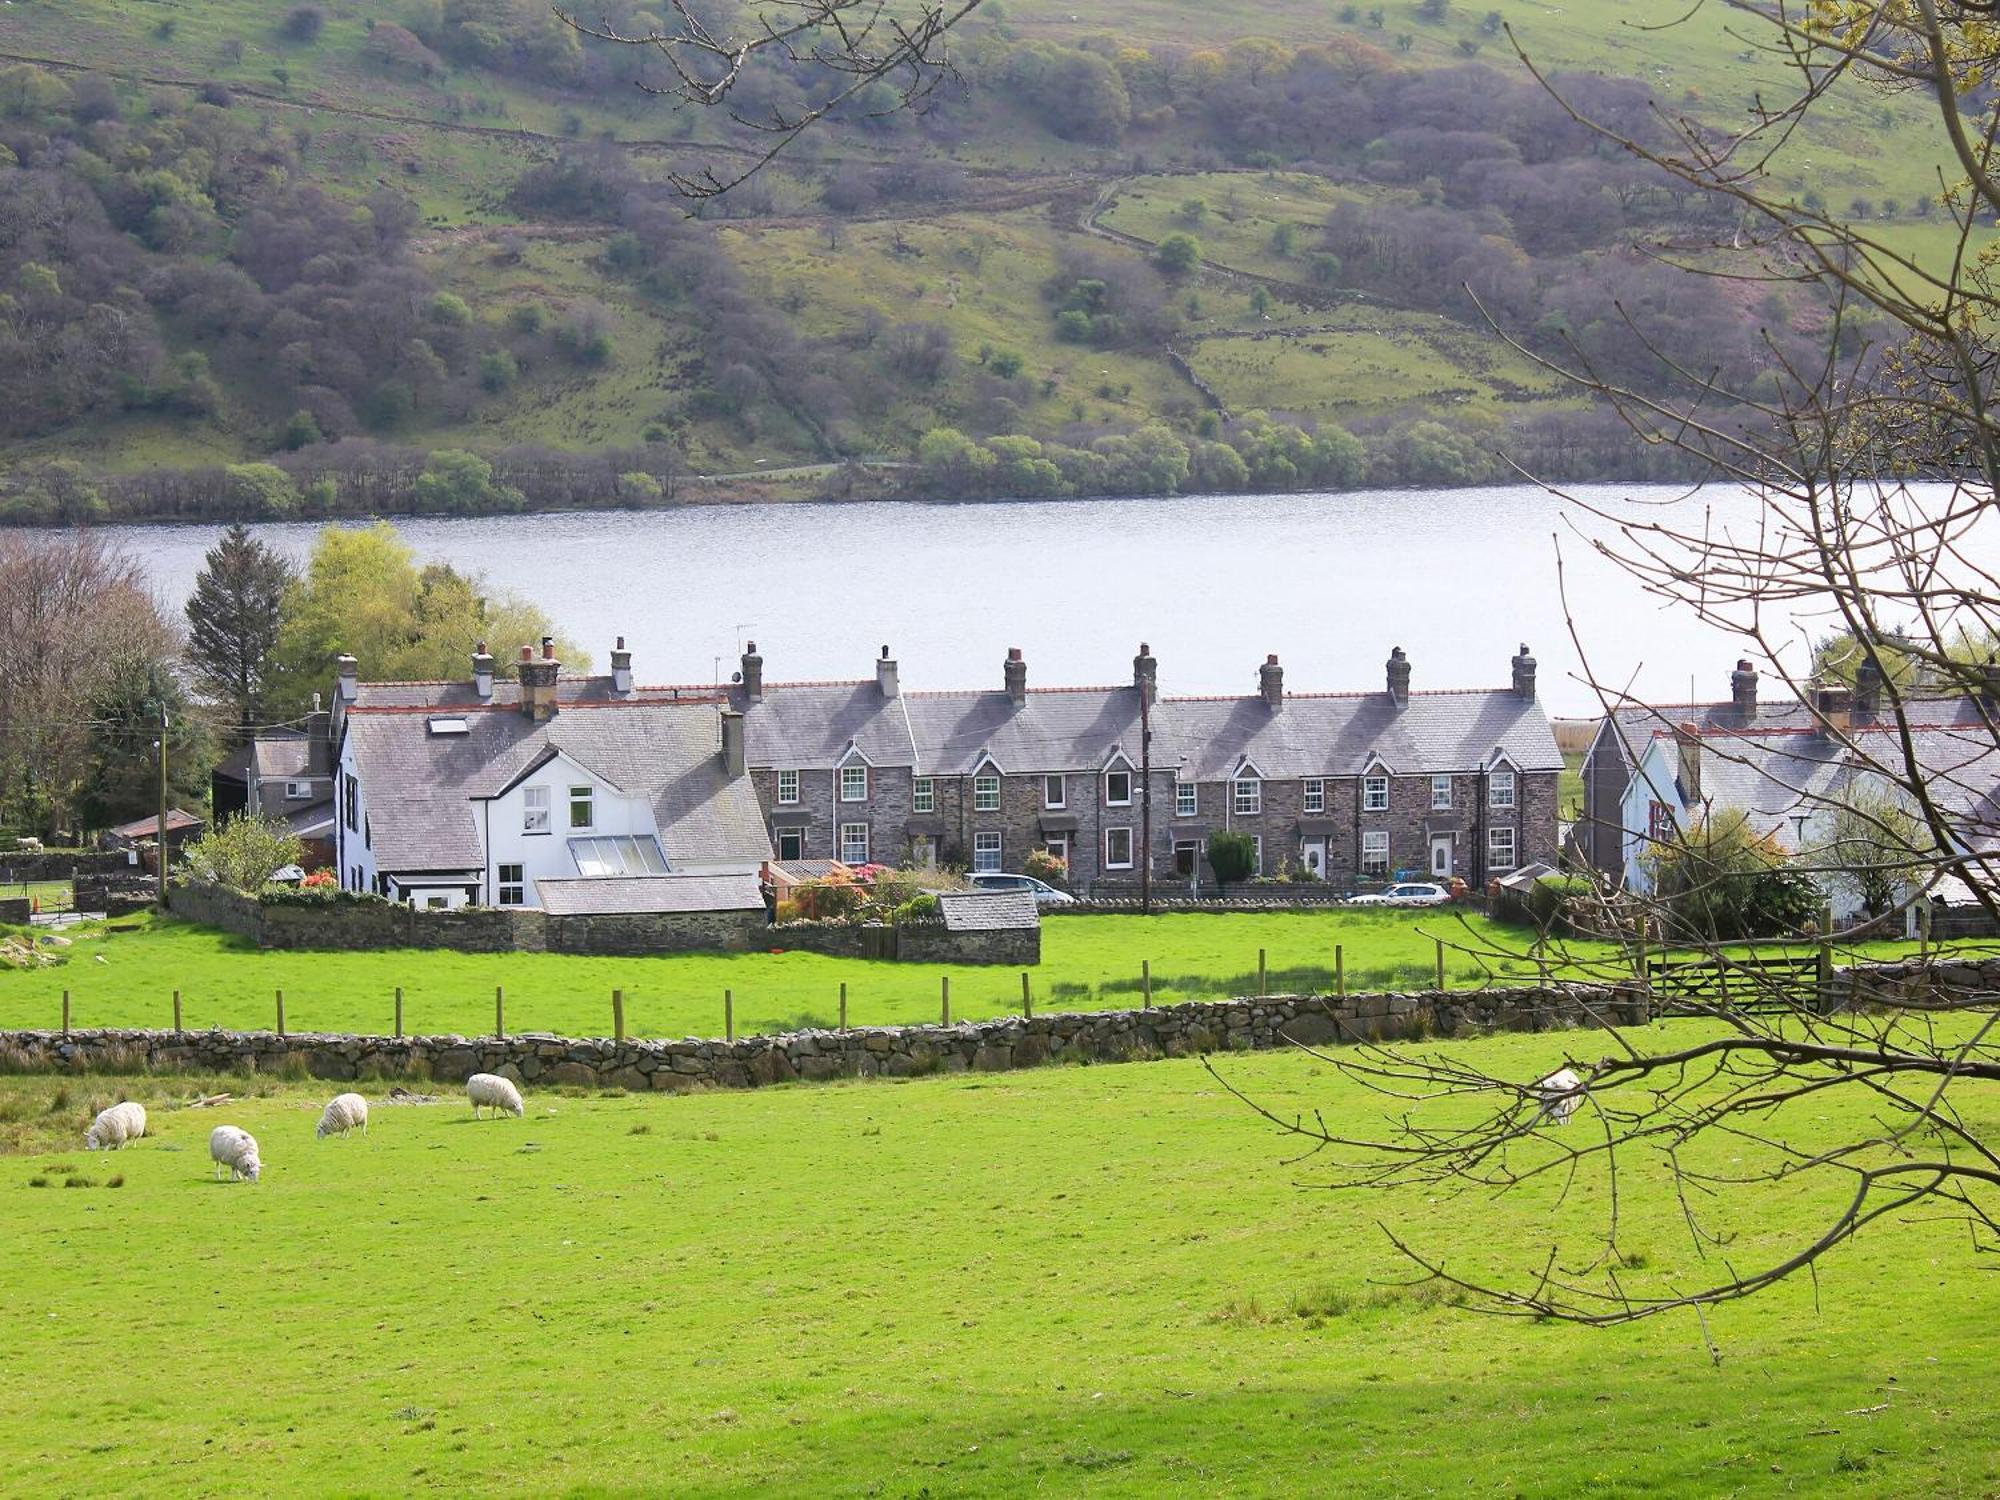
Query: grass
x=48 y=895
x=1090 y=962
x=1098 y=1281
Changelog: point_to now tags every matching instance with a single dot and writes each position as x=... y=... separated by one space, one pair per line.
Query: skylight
x=452 y=725
x=618 y=855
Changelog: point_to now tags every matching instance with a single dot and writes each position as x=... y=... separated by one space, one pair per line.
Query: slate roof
x=420 y=789
x=649 y=893
x=1636 y=723
x=1337 y=734
x=810 y=726
x=459 y=693
x=987 y=911
x=1053 y=729
x=289 y=756
x=148 y=826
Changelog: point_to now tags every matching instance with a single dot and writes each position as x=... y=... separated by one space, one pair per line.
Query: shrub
x=1046 y=866
x=1232 y=856
x=244 y=853
x=1724 y=880
x=304 y=23
x=835 y=898
x=1177 y=254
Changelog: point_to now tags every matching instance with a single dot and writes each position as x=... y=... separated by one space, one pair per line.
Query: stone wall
x=16 y=910
x=61 y=864
x=118 y=896
x=934 y=943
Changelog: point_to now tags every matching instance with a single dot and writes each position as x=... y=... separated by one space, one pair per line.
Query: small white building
x=478 y=791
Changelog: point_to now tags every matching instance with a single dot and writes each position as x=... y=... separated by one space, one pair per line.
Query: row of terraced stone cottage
x=595 y=793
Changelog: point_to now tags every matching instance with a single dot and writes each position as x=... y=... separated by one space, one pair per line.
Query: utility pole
x=160 y=827
x=1146 y=800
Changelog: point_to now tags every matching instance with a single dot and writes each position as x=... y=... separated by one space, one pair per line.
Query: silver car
x=1044 y=893
x=1406 y=893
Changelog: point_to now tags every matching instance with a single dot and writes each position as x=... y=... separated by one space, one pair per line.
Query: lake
x=1459 y=578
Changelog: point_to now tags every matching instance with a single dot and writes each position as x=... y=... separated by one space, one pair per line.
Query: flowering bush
x=1045 y=866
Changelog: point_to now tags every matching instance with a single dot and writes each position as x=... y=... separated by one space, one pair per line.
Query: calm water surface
x=1329 y=582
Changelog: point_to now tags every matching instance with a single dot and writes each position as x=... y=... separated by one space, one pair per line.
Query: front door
x=1441 y=855
x=791 y=844
x=1185 y=855
x=923 y=851
x=1312 y=854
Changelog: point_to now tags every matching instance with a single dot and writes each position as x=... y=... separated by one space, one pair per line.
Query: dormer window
x=986 y=795
x=1500 y=789
x=298 y=791
x=1118 y=788
x=1249 y=795
x=853 y=783
x=1374 y=794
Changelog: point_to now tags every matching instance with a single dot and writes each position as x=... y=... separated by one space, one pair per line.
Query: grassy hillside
x=979 y=251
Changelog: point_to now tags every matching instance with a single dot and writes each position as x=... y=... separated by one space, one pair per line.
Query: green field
x=1074 y=1281
x=1088 y=963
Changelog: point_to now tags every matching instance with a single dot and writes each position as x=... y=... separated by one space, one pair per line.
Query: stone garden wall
x=62 y=864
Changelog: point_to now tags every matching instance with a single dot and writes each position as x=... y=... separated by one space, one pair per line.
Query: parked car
x=1406 y=893
x=1044 y=893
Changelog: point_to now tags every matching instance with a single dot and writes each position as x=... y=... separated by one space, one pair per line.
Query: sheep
x=1560 y=1093
x=495 y=1092
x=237 y=1150
x=342 y=1115
x=115 y=1126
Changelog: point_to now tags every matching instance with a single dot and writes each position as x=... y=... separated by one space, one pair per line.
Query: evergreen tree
x=233 y=621
x=121 y=779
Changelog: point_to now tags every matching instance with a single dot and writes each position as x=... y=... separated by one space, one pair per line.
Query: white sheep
x=115 y=1126
x=235 y=1149
x=495 y=1092
x=345 y=1113
x=1560 y=1093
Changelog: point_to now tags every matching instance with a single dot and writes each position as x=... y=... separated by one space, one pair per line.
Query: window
x=513 y=889
x=1375 y=853
x=535 y=809
x=853 y=783
x=1249 y=796
x=788 y=788
x=1257 y=854
x=580 y=813
x=985 y=853
x=1057 y=845
x=352 y=798
x=1055 y=793
x=1440 y=793
x=617 y=855
x=854 y=843
x=1660 y=823
x=437 y=903
x=923 y=795
x=1185 y=801
x=298 y=791
x=1117 y=848
x=1500 y=848
x=1117 y=788
x=986 y=794
x=1500 y=789
x=450 y=726
x=791 y=843
x=1374 y=794
x=1315 y=797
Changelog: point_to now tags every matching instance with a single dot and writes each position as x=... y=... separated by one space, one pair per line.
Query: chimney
x=1868 y=684
x=1743 y=689
x=538 y=681
x=350 y=677
x=482 y=674
x=621 y=669
x=1271 y=683
x=1524 y=674
x=1989 y=683
x=753 y=674
x=732 y=743
x=1835 y=705
x=885 y=675
x=1017 y=675
x=1687 y=740
x=1146 y=675
x=1399 y=676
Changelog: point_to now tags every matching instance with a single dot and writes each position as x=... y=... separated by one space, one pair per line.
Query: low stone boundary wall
x=892 y=1051
x=1238 y=899
x=62 y=864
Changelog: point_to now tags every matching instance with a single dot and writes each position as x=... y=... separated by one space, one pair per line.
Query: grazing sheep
x=115 y=1126
x=345 y=1113
x=1561 y=1092
x=235 y=1149
x=495 y=1092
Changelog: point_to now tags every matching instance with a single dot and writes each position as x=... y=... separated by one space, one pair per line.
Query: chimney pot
x=482 y=674
x=548 y=648
x=1146 y=675
x=527 y=653
x=350 y=677
x=621 y=669
x=1836 y=707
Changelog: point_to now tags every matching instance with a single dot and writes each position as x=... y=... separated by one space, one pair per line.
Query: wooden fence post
x=1146 y=983
x=944 y=1001
x=729 y=1015
x=1639 y=954
x=1823 y=996
x=843 y=1005
x=499 y=1013
x=65 y=1012
x=177 y=1012
x=1027 y=998
x=399 y=1010
x=618 y=1015
x=1263 y=975
x=281 y=1012
x=1340 y=970
x=1440 y=963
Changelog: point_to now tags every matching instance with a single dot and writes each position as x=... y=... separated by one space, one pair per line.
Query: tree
x=1744 y=1109
x=1177 y=254
x=233 y=618
x=1875 y=848
x=1721 y=880
x=243 y=853
x=121 y=781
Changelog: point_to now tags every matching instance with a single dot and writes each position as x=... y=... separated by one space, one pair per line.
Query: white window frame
x=1123 y=773
x=1055 y=792
x=535 y=810
x=1374 y=794
x=923 y=795
x=1375 y=846
x=584 y=799
x=1441 y=793
x=1057 y=844
x=986 y=793
x=988 y=853
x=788 y=788
x=1499 y=836
x=1247 y=796
x=854 y=843
x=1187 y=799
x=298 y=791
x=853 y=783
x=1111 y=860
x=1313 y=795
x=1500 y=789
x=512 y=890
